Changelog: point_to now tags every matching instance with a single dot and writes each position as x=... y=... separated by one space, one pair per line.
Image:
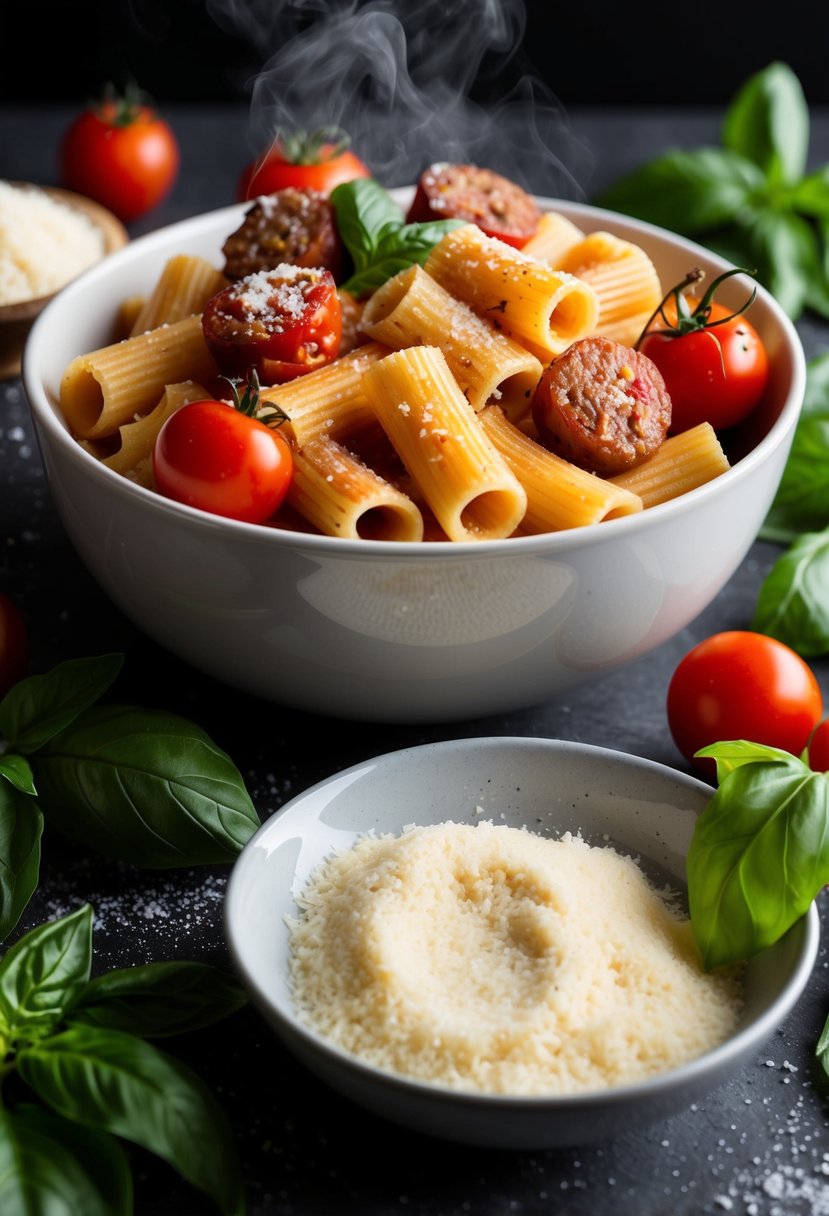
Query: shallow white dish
x=380 y=630
x=636 y=805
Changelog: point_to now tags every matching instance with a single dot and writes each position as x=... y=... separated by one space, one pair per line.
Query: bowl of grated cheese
x=487 y=940
x=48 y=236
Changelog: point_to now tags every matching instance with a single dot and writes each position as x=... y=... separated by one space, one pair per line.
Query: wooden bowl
x=16 y=319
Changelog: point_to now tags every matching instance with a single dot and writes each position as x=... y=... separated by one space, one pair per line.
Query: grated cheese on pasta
x=489 y=958
x=43 y=243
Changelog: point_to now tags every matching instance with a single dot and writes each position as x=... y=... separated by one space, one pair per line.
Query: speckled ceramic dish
x=640 y=807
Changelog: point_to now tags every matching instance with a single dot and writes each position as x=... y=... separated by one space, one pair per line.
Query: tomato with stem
x=316 y=160
x=218 y=457
x=121 y=153
x=712 y=358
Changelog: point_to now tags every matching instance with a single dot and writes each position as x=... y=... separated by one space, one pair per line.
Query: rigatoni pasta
x=102 y=390
x=183 y=288
x=624 y=279
x=683 y=462
x=559 y=495
x=543 y=309
x=469 y=487
x=334 y=490
x=412 y=309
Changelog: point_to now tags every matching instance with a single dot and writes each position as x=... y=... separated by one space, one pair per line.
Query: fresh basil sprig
x=759 y=854
x=749 y=199
x=378 y=239
x=86 y=1078
x=793 y=601
x=139 y=785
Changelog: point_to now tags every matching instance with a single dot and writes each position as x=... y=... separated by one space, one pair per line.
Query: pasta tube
x=411 y=309
x=467 y=484
x=559 y=495
x=102 y=390
x=184 y=286
x=682 y=463
x=341 y=496
x=329 y=401
x=543 y=309
x=624 y=279
x=136 y=440
x=554 y=235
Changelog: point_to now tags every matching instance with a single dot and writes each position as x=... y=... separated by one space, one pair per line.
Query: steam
x=401 y=77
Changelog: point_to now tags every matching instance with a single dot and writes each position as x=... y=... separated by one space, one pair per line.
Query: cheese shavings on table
x=491 y=959
x=43 y=243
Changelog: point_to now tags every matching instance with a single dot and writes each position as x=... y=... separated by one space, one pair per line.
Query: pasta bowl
x=638 y=807
x=378 y=629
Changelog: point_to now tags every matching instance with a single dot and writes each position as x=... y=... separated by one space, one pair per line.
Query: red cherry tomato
x=14 y=644
x=210 y=455
x=742 y=685
x=123 y=155
x=712 y=360
x=819 y=747
x=282 y=322
x=304 y=161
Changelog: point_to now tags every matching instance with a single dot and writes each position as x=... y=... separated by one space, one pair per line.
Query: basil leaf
x=374 y=232
x=398 y=250
x=42 y=974
x=793 y=602
x=822 y=1049
x=146 y=787
x=37 y=708
x=812 y=193
x=159 y=999
x=365 y=212
x=758 y=857
x=51 y=1167
x=733 y=753
x=786 y=257
x=115 y=1082
x=802 y=498
x=768 y=123
x=17 y=771
x=687 y=192
x=21 y=827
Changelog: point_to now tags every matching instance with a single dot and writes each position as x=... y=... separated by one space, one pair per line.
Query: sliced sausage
x=291 y=225
x=478 y=196
x=602 y=406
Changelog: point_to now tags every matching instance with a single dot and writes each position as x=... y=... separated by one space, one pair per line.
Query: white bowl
x=380 y=630
x=644 y=808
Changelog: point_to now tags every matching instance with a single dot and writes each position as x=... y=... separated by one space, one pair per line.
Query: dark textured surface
x=758 y=1146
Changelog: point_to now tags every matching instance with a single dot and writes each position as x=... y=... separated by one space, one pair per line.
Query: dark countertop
x=759 y=1146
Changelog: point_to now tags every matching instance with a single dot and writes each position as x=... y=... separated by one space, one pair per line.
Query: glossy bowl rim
x=718 y=1059
x=140 y=497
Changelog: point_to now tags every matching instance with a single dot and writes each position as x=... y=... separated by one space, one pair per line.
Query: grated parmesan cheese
x=43 y=243
x=489 y=958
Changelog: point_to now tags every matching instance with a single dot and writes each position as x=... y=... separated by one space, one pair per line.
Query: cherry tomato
x=712 y=360
x=14 y=644
x=306 y=161
x=819 y=747
x=122 y=154
x=282 y=322
x=742 y=685
x=210 y=455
